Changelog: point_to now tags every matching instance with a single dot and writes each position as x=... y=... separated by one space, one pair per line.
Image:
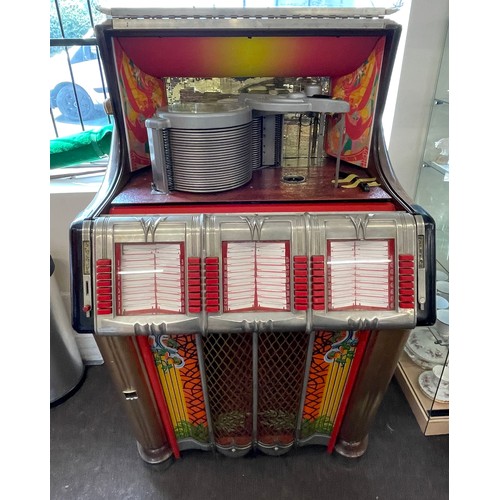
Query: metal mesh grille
x=272 y=416
x=282 y=358
x=228 y=364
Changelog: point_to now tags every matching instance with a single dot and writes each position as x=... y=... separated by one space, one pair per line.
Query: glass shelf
x=414 y=373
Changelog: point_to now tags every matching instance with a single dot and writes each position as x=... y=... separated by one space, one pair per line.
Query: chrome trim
x=421 y=262
x=204 y=388
x=260 y=23
x=255 y=388
x=232 y=13
x=192 y=444
x=307 y=234
x=87 y=267
x=307 y=369
x=120 y=354
x=317 y=439
x=111 y=178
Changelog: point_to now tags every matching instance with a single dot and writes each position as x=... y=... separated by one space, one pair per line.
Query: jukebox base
x=155 y=456
x=241 y=393
x=352 y=449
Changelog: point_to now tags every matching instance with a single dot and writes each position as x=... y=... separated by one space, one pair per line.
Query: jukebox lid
x=205 y=115
x=157 y=8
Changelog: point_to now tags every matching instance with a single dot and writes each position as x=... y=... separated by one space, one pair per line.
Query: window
x=77 y=83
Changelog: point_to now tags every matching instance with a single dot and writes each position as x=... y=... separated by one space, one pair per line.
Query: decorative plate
x=427 y=382
x=423 y=345
x=416 y=360
x=441 y=302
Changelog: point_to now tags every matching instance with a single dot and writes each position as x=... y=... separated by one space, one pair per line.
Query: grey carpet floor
x=93 y=456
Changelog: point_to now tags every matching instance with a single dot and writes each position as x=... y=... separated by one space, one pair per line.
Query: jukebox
x=251 y=267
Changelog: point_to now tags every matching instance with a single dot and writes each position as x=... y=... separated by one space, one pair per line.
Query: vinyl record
x=210 y=160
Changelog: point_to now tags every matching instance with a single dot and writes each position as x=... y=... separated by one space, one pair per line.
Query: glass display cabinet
x=422 y=370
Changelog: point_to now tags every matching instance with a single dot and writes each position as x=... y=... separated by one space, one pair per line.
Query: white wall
x=414 y=96
x=67 y=199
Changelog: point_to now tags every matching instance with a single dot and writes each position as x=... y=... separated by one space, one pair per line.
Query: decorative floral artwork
x=331 y=361
x=359 y=89
x=176 y=360
x=424 y=345
x=141 y=95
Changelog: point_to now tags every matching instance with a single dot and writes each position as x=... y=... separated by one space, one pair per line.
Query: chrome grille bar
x=228 y=18
x=246 y=13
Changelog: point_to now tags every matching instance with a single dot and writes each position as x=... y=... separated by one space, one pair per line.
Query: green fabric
x=80 y=148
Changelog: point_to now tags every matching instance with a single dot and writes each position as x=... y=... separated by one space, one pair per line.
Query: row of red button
x=104 y=287
x=212 y=298
x=194 y=284
x=212 y=303
x=318 y=282
x=300 y=274
x=300 y=291
x=406 y=281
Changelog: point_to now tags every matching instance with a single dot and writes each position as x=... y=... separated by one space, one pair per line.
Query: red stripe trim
x=230 y=207
x=154 y=379
x=351 y=379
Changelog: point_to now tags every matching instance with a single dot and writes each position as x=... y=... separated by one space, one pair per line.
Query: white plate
x=441 y=276
x=443 y=289
x=427 y=383
x=423 y=345
x=441 y=302
x=419 y=362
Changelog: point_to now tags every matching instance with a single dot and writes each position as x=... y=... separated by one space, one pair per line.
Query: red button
x=405 y=264
x=406 y=305
x=318 y=258
x=406 y=257
x=104 y=296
